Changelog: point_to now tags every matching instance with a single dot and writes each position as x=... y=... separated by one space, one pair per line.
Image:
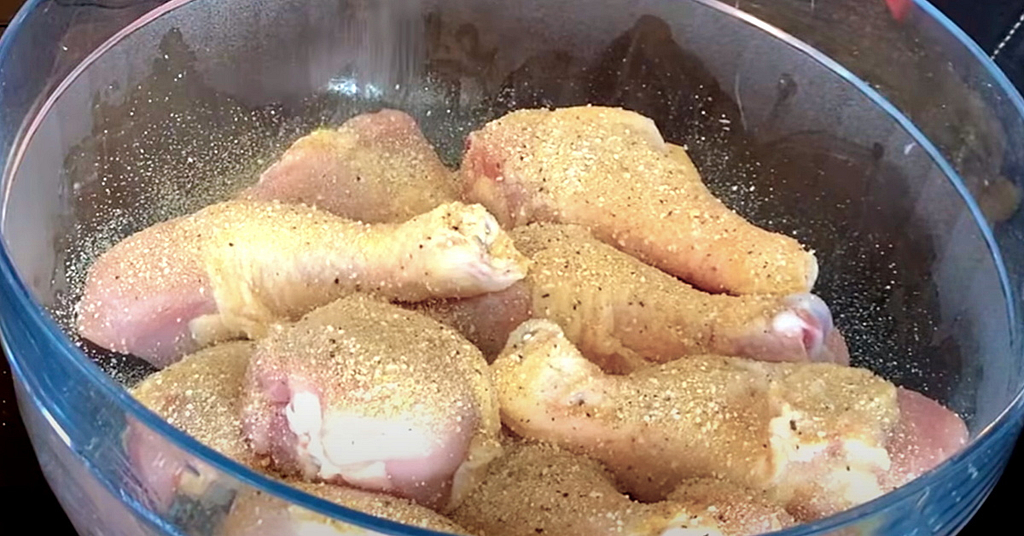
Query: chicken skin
x=368 y=394
x=201 y=396
x=541 y=489
x=234 y=268
x=819 y=438
x=257 y=514
x=375 y=168
x=623 y=314
x=609 y=170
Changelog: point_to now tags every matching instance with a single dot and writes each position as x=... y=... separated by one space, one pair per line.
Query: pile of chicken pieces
x=570 y=336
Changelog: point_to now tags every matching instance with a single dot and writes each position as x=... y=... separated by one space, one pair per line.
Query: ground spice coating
x=624 y=314
x=361 y=382
x=374 y=168
x=767 y=426
x=201 y=396
x=234 y=268
x=609 y=170
x=538 y=488
x=255 y=513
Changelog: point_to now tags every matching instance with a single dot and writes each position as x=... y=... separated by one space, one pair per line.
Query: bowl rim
x=41 y=320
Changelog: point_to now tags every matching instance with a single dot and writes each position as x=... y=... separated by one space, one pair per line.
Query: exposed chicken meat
x=925 y=436
x=233 y=268
x=201 y=396
x=818 y=437
x=541 y=489
x=623 y=314
x=368 y=394
x=375 y=168
x=257 y=514
x=610 y=171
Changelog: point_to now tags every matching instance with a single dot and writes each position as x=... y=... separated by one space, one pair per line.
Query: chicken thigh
x=201 y=396
x=257 y=514
x=609 y=170
x=541 y=489
x=368 y=394
x=233 y=268
x=375 y=168
x=819 y=438
x=623 y=314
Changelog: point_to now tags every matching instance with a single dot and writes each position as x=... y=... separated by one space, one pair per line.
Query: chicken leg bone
x=623 y=314
x=818 y=437
x=234 y=268
x=609 y=170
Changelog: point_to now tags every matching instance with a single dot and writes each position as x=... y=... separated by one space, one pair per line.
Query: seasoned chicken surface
x=374 y=299
x=609 y=170
x=257 y=514
x=233 y=268
x=367 y=394
x=818 y=437
x=738 y=510
x=541 y=489
x=624 y=314
x=375 y=168
x=201 y=396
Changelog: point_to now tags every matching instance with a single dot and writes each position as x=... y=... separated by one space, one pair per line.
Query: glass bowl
x=881 y=136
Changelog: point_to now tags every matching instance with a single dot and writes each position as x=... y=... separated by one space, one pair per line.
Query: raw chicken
x=541 y=489
x=257 y=514
x=925 y=436
x=368 y=394
x=610 y=171
x=233 y=268
x=375 y=168
x=623 y=314
x=201 y=396
x=819 y=438
x=738 y=510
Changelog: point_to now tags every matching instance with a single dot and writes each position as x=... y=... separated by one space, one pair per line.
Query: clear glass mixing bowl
x=889 y=143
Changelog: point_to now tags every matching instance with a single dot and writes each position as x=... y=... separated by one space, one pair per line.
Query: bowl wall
x=187 y=104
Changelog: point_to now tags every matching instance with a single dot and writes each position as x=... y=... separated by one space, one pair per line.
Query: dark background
x=989 y=22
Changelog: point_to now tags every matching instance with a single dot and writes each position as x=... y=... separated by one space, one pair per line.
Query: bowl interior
x=185 y=108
